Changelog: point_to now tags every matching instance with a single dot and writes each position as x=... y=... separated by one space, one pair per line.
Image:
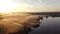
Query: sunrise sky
x=29 y=5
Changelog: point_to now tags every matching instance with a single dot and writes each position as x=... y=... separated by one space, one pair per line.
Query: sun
x=7 y=6
x=4 y=8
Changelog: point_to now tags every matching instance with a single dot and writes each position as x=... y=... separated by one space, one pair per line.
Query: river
x=48 y=25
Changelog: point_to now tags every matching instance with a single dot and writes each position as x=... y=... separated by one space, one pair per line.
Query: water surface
x=48 y=25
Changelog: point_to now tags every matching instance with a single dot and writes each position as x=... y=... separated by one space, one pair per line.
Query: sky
x=30 y=5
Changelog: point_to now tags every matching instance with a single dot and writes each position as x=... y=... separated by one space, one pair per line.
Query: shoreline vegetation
x=13 y=23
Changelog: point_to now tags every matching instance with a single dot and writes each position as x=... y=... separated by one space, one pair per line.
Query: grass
x=14 y=23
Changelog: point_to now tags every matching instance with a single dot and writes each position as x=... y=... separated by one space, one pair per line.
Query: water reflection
x=49 y=25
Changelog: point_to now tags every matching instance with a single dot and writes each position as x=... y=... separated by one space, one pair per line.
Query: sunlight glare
x=7 y=5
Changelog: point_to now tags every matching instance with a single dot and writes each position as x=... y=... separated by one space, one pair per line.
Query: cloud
x=28 y=1
x=35 y=4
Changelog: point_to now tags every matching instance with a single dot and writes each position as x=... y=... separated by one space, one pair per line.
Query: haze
x=29 y=5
